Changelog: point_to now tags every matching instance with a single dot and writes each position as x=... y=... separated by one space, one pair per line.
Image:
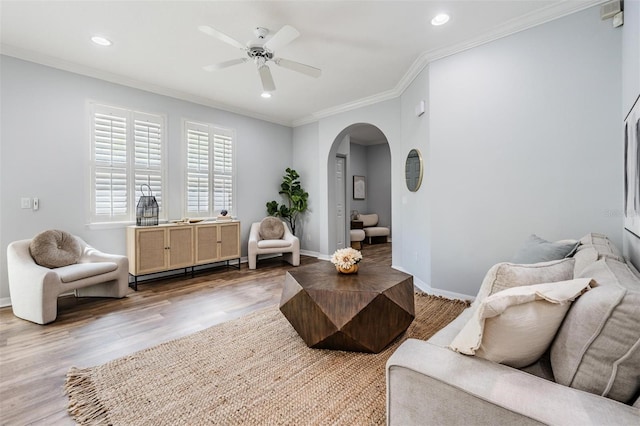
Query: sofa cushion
x=54 y=249
x=597 y=348
x=506 y=275
x=592 y=248
x=603 y=246
x=368 y=219
x=516 y=326
x=271 y=228
x=536 y=249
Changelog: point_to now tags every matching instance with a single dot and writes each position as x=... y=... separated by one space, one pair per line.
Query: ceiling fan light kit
x=261 y=53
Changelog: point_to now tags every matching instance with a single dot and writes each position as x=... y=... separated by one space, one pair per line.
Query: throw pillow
x=54 y=249
x=516 y=326
x=536 y=249
x=271 y=228
x=506 y=275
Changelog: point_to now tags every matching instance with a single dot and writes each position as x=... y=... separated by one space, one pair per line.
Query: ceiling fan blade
x=267 y=79
x=283 y=37
x=297 y=66
x=225 y=64
x=221 y=36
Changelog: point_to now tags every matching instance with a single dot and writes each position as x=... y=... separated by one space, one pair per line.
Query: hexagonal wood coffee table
x=361 y=312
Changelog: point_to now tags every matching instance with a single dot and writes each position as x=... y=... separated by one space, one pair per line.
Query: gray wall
x=358 y=167
x=525 y=138
x=374 y=163
x=630 y=92
x=379 y=183
x=413 y=230
x=305 y=161
x=45 y=153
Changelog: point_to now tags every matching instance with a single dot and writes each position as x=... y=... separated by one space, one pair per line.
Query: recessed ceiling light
x=101 y=41
x=266 y=95
x=440 y=19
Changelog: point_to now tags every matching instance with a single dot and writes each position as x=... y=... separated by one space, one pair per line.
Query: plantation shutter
x=148 y=155
x=222 y=170
x=197 y=169
x=110 y=164
x=210 y=173
x=127 y=150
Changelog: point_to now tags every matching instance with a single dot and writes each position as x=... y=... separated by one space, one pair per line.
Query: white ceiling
x=367 y=50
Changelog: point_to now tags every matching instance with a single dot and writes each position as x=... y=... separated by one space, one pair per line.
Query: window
x=210 y=170
x=127 y=150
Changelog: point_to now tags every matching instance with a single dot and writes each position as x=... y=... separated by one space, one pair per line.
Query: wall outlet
x=25 y=203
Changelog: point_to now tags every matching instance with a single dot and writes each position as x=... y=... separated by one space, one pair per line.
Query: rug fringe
x=84 y=405
x=448 y=299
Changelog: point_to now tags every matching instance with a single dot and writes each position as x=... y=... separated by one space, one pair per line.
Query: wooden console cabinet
x=166 y=247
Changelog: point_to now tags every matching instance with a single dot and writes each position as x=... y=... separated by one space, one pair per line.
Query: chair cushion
x=368 y=219
x=271 y=228
x=597 y=348
x=81 y=271
x=376 y=231
x=357 y=234
x=536 y=249
x=516 y=326
x=264 y=244
x=54 y=248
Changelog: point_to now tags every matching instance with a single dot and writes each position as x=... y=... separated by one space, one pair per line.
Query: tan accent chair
x=288 y=245
x=373 y=232
x=35 y=289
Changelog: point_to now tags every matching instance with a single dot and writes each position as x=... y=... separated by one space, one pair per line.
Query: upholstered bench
x=375 y=234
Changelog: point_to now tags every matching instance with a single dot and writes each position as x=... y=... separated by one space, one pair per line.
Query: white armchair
x=288 y=245
x=34 y=289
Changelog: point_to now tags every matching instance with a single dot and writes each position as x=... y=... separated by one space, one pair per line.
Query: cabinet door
x=180 y=244
x=206 y=244
x=229 y=241
x=150 y=251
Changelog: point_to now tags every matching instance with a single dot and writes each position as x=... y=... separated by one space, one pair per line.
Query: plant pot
x=352 y=270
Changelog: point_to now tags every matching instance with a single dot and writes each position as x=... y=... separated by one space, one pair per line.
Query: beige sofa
x=590 y=375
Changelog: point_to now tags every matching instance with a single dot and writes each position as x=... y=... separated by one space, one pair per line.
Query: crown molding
x=539 y=17
x=533 y=19
x=53 y=62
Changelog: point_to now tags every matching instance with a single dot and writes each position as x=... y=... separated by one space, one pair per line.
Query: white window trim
x=98 y=221
x=212 y=130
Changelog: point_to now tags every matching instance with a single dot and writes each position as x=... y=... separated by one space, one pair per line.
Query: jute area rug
x=254 y=370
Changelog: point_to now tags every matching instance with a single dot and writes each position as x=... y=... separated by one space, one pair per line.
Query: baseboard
x=436 y=291
x=5 y=301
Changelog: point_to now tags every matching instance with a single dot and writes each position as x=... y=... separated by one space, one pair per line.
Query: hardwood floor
x=34 y=359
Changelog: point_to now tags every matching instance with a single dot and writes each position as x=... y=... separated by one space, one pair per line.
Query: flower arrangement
x=346 y=258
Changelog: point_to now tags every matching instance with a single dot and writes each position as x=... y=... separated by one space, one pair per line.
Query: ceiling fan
x=261 y=53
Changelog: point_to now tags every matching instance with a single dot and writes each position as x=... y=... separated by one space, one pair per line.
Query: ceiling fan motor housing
x=259 y=52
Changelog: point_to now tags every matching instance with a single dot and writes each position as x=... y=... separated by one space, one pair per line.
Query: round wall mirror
x=413 y=170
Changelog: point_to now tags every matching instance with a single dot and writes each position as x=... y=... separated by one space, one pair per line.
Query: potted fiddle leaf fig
x=296 y=199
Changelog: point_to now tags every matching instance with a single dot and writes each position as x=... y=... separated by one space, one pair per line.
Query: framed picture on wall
x=359 y=188
x=632 y=170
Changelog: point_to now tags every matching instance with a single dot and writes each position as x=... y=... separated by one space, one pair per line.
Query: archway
x=366 y=153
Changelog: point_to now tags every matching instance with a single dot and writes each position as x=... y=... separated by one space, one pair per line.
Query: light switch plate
x=25 y=203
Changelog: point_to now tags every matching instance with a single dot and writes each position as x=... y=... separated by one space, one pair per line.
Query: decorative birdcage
x=147 y=209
